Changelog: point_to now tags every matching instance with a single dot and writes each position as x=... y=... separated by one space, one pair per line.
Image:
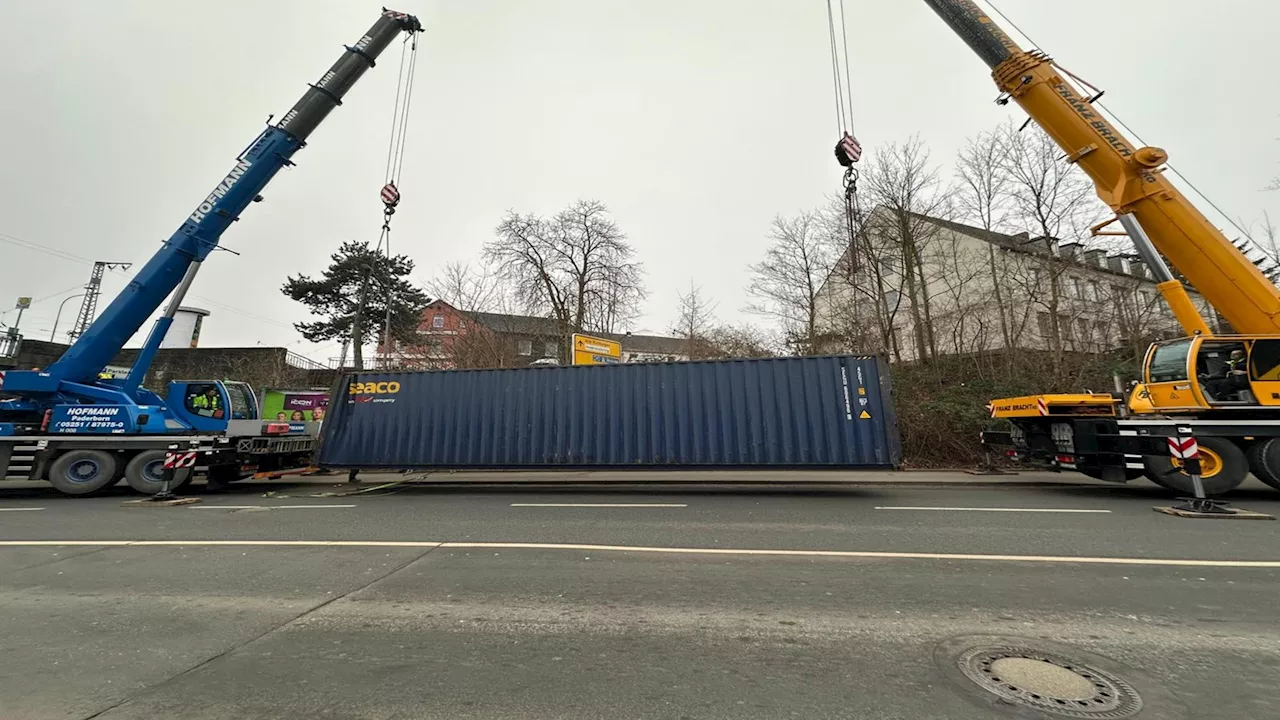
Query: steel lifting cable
x=390 y=193
x=848 y=150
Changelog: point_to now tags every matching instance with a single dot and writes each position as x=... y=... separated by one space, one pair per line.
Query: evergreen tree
x=351 y=298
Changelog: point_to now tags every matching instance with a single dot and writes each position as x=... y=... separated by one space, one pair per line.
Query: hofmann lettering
x=221 y=190
x=102 y=411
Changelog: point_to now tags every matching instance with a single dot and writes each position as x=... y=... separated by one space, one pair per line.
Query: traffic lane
x=86 y=628
x=826 y=520
x=517 y=634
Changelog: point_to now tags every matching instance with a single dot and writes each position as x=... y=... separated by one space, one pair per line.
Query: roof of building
x=550 y=327
x=657 y=344
x=517 y=324
x=1022 y=242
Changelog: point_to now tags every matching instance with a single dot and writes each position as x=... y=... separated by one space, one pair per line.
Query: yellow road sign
x=588 y=350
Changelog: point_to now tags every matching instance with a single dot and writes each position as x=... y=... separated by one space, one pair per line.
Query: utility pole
x=89 y=305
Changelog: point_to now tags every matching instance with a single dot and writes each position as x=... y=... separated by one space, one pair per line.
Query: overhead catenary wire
x=71 y=257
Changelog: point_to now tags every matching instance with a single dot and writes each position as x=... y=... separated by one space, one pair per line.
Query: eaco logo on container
x=376 y=392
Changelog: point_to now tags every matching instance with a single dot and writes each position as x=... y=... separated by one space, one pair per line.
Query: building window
x=549 y=349
x=1042 y=322
x=891 y=300
x=461 y=324
x=524 y=347
x=1064 y=327
x=437 y=321
x=1077 y=288
x=1082 y=331
x=1096 y=288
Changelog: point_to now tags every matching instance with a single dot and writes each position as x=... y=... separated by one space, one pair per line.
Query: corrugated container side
x=814 y=411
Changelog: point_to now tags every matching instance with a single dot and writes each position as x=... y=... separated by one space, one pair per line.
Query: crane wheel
x=145 y=473
x=1264 y=461
x=83 y=472
x=1222 y=468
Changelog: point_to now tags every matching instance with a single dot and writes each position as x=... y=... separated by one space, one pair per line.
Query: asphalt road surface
x=300 y=600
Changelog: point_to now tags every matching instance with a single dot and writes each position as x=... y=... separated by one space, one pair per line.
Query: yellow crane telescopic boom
x=1130 y=180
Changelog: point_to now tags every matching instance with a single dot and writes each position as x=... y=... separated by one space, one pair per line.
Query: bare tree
x=694 y=323
x=982 y=197
x=906 y=185
x=1054 y=200
x=468 y=287
x=575 y=266
x=742 y=341
x=1261 y=244
x=786 y=284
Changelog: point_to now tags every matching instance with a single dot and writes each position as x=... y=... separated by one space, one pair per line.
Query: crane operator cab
x=208 y=404
x=1203 y=373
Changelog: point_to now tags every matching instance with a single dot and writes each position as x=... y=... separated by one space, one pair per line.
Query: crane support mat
x=1225 y=514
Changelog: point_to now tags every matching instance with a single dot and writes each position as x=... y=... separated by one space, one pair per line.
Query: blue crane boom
x=173 y=267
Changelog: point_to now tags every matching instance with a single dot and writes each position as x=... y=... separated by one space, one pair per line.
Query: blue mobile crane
x=83 y=431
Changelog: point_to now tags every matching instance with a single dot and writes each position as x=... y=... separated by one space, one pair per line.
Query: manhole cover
x=1049 y=682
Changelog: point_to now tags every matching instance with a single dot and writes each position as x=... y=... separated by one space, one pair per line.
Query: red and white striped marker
x=1183 y=448
x=1042 y=406
x=174 y=461
x=390 y=195
x=851 y=148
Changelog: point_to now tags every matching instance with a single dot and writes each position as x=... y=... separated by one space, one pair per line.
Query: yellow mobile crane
x=1225 y=388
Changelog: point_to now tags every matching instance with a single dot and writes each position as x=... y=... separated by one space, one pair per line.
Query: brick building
x=449 y=337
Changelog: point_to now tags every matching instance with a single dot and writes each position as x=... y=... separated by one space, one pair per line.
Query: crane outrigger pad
x=1222 y=513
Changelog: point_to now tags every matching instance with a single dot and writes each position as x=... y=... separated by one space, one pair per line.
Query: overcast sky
x=696 y=121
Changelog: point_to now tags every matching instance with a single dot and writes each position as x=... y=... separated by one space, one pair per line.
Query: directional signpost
x=588 y=350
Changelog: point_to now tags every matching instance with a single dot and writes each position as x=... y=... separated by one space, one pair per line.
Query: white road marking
x=264 y=507
x=19 y=509
x=855 y=554
x=988 y=509
x=602 y=505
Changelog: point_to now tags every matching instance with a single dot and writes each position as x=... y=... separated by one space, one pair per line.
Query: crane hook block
x=390 y=195
x=848 y=150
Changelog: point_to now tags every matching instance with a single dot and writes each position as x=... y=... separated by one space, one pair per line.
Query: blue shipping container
x=772 y=412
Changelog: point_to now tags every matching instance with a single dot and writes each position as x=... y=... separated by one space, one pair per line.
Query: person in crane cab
x=207 y=403
x=1234 y=378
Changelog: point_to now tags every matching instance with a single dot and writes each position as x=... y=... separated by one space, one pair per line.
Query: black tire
x=145 y=473
x=1264 y=461
x=83 y=472
x=218 y=477
x=1224 y=462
